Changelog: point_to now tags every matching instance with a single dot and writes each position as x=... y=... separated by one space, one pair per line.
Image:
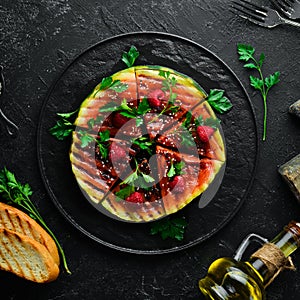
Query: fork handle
x=290 y=22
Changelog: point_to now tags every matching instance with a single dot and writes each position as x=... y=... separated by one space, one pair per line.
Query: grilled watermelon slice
x=172 y=99
x=195 y=174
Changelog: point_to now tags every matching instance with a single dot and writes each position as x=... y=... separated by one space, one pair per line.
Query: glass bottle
x=231 y=278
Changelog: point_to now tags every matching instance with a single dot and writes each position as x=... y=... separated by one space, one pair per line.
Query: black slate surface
x=39 y=38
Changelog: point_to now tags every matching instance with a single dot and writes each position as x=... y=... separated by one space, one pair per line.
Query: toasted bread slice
x=15 y=220
x=26 y=257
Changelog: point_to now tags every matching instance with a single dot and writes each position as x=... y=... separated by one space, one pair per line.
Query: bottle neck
x=287 y=241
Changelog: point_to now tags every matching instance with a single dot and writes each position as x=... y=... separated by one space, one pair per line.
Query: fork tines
x=249 y=11
x=285 y=6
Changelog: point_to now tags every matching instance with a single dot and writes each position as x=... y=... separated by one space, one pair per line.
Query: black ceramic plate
x=78 y=80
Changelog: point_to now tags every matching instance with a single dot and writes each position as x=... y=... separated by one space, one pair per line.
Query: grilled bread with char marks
x=26 y=257
x=15 y=220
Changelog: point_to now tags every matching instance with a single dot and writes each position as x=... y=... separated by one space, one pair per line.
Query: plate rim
x=78 y=226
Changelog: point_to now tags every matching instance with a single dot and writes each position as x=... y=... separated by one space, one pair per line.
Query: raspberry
x=155 y=97
x=135 y=197
x=116 y=153
x=119 y=120
x=177 y=184
x=205 y=132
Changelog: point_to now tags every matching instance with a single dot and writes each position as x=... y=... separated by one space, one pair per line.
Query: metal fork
x=11 y=127
x=263 y=16
x=290 y=8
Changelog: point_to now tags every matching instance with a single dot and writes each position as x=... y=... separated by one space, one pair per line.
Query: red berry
x=155 y=97
x=205 y=132
x=116 y=153
x=177 y=184
x=119 y=120
x=135 y=197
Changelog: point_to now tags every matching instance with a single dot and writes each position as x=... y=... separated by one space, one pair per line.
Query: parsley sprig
x=145 y=144
x=101 y=140
x=13 y=192
x=167 y=84
x=125 y=110
x=170 y=228
x=138 y=178
x=64 y=126
x=261 y=83
x=129 y=57
x=218 y=101
x=109 y=83
x=176 y=169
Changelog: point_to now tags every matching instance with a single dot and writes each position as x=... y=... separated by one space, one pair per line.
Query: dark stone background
x=38 y=38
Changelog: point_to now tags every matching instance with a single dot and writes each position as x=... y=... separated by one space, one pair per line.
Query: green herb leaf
x=187 y=139
x=272 y=80
x=62 y=129
x=68 y=115
x=250 y=66
x=245 y=51
x=85 y=138
x=147 y=178
x=218 y=101
x=212 y=122
x=257 y=83
x=143 y=107
x=118 y=86
x=105 y=83
x=110 y=106
x=172 y=171
x=188 y=118
x=131 y=178
x=169 y=228
x=16 y=193
x=103 y=150
x=129 y=57
x=178 y=168
x=125 y=192
x=261 y=83
x=261 y=59
x=145 y=144
x=199 y=121
x=139 y=121
x=128 y=114
x=104 y=136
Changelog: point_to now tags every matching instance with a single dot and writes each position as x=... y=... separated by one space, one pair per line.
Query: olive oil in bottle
x=231 y=278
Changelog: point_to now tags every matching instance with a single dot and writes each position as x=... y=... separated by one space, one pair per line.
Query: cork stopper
x=294 y=228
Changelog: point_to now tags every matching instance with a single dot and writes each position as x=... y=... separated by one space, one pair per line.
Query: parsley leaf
x=218 y=101
x=118 y=86
x=13 y=192
x=63 y=127
x=272 y=80
x=143 y=107
x=171 y=171
x=169 y=228
x=105 y=83
x=127 y=111
x=85 y=138
x=101 y=140
x=110 y=106
x=125 y=192
x=138 y=178
x=129 y=57
x=145 y=144
x=176 y=169
x=109 y=83
x=212 y=122
x=246 y=53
